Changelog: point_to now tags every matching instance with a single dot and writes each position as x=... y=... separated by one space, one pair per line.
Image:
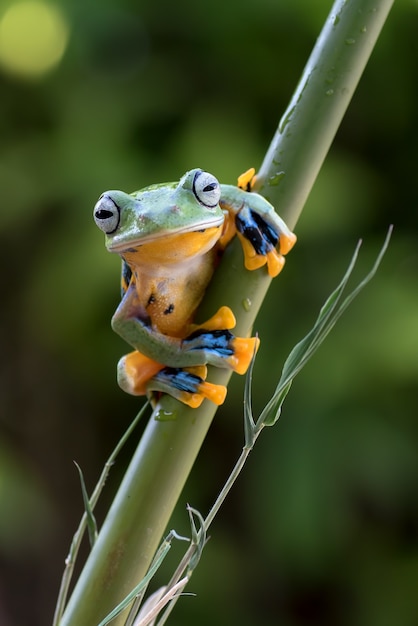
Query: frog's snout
x=106 y=214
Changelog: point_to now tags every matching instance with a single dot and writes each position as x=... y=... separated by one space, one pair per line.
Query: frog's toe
x=247 y=179
x=252 y=260
x=286 y=242
x=187 y=385
x=215 y=393
x=274 y=259
x=223 y=319
x=243 y=352
x=275 y=262
x=134 y=371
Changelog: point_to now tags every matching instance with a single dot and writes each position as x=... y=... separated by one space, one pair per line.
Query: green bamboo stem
x=165 y=455
x=318 y=105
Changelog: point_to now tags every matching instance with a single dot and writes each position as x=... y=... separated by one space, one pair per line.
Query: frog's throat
x=126 y=243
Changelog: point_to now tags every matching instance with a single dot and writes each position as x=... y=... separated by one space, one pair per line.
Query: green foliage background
x=323 y=526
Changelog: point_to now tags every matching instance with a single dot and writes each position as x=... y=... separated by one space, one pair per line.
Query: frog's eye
x=106 y=214
x=206 y=189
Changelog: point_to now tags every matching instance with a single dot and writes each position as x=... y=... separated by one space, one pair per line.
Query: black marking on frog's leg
x=179 y=379
x=125 y=278
x=259 y=233
x=151 y=300
x=217 y=341
x=169 y=309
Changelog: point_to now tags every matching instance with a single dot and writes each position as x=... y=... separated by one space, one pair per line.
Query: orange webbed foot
x=134 y=372
x=188 y=385
x=244 y=351
x=247 y=179
x=223 y=319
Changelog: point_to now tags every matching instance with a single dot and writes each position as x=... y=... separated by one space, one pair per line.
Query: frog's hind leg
x=187 y=385
x=135 y=371
x=139 y=375
x=237 y=352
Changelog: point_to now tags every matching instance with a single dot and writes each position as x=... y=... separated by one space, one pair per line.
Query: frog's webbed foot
x=264 y=238
x=188 y=385
x=223 y=319
x=138 y=375
x=222 y=349
x=218 y=345
x=134 y=372
x=247 y=179
x=214 y=336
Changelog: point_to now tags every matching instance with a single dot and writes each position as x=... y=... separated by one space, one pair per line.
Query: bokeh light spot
x=33 y=38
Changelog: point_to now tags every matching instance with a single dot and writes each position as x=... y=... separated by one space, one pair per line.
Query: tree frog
x=170 y=237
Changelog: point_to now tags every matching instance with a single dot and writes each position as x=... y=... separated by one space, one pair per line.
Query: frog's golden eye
x=106 y=214
x=206 y=188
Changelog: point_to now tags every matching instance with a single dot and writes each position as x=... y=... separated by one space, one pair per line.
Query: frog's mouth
x=180 y=247
x=173 y=237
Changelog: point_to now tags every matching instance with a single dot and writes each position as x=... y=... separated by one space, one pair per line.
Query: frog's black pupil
x=210 y=187
x=103 y=214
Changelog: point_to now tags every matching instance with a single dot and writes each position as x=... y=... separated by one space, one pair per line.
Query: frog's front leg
x=264 y=236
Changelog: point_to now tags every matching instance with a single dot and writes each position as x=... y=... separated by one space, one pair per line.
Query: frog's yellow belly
x=169 y=294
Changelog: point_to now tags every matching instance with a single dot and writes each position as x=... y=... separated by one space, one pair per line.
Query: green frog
x=170 y=237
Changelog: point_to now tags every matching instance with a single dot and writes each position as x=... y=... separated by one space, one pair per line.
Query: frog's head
x=159 y=211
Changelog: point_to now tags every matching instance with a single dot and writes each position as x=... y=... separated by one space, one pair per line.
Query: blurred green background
x=322 y=527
